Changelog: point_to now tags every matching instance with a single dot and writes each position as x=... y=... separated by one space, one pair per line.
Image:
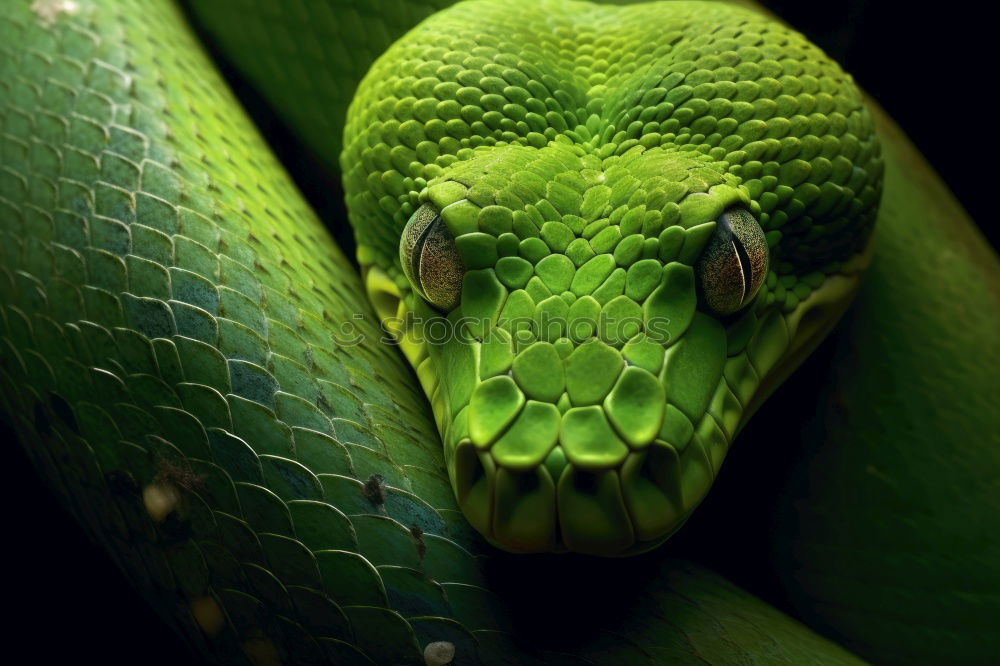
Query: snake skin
x=175 y=354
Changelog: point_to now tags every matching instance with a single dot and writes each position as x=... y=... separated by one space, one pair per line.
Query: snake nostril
x=592 y=514
x=651 y=487
x=525 y=515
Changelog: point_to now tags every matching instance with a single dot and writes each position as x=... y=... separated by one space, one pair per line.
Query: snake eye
x=733 y=265
x=430 y=259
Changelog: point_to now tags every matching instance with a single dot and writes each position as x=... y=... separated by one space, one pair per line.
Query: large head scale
x=602 y=235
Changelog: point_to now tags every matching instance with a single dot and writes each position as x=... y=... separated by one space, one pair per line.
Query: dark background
x=932 y=70
x=933 y=67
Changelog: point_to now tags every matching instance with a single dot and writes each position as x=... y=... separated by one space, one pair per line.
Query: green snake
x=571 y=187
x=601 y=236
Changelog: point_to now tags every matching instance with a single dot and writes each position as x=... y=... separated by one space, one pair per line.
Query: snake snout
x=579 y=446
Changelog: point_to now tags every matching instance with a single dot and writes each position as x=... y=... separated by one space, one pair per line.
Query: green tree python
x=601 y=236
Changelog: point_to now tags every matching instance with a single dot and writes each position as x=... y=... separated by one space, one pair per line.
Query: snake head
x=599 y=270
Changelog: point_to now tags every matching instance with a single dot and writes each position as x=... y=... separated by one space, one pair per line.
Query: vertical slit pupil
x=745 y=266
x=418 y=250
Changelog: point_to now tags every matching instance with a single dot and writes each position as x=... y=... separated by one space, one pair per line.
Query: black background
x=932 y=69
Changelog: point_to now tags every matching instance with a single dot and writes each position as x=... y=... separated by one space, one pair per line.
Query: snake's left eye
x=734 y=263
x=430 y=259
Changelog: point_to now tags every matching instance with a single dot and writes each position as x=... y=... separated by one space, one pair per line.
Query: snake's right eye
x=734 y=263
x=430 y=259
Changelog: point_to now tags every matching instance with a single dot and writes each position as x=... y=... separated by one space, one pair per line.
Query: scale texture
x=180 y=358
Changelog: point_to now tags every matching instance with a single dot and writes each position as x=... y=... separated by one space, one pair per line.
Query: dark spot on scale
x=374 y=489
x=178 y=474
x=418 y=540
